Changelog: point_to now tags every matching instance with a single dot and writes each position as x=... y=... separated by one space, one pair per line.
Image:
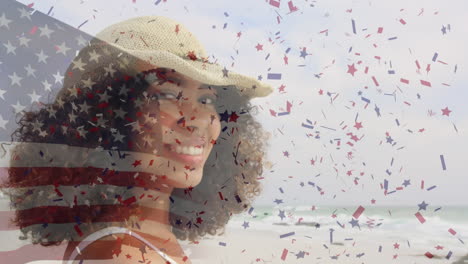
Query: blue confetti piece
x=398 y=123
x=281 y=190
x=365 y=99
x=274 y=76
x=391 y=192
x=222 y=244
x=283 y=113
x=157 y=2
x=393 y=38
x=308 y=121
x=307 y=126
x=86 y=21
x=354 y=26
x=442 y=160
x=266 y=58
x=226 y=14
x=449 y=255
x=431 y=188
x=391 y=72
x=50 y=10
x=434 y=58
x=288 y=234
x=380 y=248
x=385 y=185
x=57 y=200
x=311 y=183
x=288 y=49
x=251 y=210
x=225 y=25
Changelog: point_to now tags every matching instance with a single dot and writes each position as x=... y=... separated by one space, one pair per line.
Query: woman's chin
x=190 y=179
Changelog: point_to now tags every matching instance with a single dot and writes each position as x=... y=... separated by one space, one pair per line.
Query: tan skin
x=201 y=120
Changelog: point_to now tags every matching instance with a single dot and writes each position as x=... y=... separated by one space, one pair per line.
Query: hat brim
x=202 y=71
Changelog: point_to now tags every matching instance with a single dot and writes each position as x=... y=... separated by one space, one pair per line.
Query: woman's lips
x=192 y=160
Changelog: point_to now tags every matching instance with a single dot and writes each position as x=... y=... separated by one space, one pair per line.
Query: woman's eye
x=208 y=100
x=163 y=96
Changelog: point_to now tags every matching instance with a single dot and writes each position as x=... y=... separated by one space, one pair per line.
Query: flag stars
x=24 y=13
x=18 y=107
x=81 y=41
x=4 y=22
x=119 y=137
x=94 y=56
x=1 y=94
x=58 y=77
x=45 y=31
x=3 y=122
x=42 y=57
x=34 y=97
x=24 y=41
x=47 y=85
x=62 y=48
x=88 y=83
x=78 y=64
x=10 y=48
x=30 y=71
x=15 y=79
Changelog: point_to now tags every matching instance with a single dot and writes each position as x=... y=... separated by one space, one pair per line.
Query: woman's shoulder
x=118 y=249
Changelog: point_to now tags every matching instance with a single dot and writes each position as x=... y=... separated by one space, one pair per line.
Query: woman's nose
x=194 y=117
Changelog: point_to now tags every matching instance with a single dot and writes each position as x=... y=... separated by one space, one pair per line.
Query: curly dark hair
x=233 y=166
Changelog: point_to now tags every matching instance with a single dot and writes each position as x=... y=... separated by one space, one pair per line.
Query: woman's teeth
x=188 y=150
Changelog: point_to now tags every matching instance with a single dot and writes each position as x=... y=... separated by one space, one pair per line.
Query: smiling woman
x=149 y=143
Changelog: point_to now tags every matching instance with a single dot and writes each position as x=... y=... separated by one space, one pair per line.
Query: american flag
x=35 y=52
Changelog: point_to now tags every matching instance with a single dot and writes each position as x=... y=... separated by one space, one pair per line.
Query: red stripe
x=63 y=176
x=30 y=253
x=63 y=214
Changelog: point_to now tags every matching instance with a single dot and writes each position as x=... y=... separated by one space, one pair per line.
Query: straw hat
x=159 y=41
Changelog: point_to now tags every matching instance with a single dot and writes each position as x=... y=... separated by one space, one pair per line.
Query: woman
x=147 y=142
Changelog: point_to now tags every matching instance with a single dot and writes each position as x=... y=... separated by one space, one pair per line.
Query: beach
x=272 y=240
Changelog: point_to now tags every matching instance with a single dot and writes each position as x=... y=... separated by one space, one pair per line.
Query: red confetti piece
x=404 y=81
x=285 y=253
x=402 y=21
x=429 y=255
x=451 y=231
x=78 y=230
x=425 y=83
x=420 y=217
x=375 y=81
x=33 y=30
x=358 y=212
x=380 y=30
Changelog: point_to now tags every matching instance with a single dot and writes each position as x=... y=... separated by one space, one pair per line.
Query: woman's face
x=183 y=126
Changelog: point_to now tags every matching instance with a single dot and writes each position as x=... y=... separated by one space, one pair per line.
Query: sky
x=365 y=126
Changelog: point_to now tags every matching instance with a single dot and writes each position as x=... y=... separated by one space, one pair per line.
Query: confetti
x=442 y=160
x=420 y=217
x=287 y=234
